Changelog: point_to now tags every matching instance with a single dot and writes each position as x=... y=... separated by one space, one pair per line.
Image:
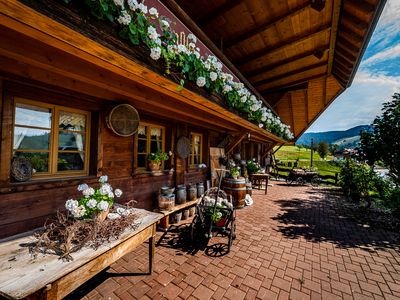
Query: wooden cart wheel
x=300 y=181
x=315 y=181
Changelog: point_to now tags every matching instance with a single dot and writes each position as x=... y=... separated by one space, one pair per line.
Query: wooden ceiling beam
x=286 y=43
x=343 y=64
x=296 y=87
x=284 y=62
x=349 y=56
x=354 y=20
x=359 y=5
x=342 y=72
x=278 y=88
x=220 y=10
x=332 y=39
x=352 y=36
x=249 y=33
x=290 y=73
x=344 y=44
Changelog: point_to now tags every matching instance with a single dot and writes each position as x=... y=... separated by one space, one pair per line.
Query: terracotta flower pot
x=154 y=166
x=100 y=217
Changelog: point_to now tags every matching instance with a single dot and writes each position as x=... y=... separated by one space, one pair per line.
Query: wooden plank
x=222 y=9
x=23 y=275
x=290 y=94
x=289 y=73
x=309 y=34
x=6 y=141
x=332 y=40
x=73 y=280
x=284 y=62
x=251 y=32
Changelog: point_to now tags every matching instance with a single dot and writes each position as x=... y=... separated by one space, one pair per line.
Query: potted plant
x=235 y=172
x=155 y=160
x=252 y=167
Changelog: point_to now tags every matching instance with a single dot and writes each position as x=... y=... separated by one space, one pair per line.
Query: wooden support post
x=229 y=148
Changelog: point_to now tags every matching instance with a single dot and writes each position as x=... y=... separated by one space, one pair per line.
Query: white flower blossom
x=201 y=81
x=103 y=179
x=155 y=53
x=213 y=76
x=88 y=192
x=111 y=194
x=243 y=99
x=71 y=204
x=227 y=88
x=152 y=32
x=124 y=18
x=104 y=189
x=102 y=205
x=207 y=65
x=82 y=187
x=119 y=3
x=142 y=8
x=118 y=193
x=153 y=12
x=133 y=4
x=192 y=37
x=182 y=48
x=192 y=46
x=261 y=125
x=79 y=212
x=164 y=24
x=91 y=203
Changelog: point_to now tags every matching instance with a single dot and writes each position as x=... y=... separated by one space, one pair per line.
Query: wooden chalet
x=57 y=62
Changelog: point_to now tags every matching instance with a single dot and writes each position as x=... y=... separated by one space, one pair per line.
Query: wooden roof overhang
x=298 y=54
x=43 y=50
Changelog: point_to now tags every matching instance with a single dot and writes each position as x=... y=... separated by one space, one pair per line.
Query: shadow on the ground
x=320 y=218
x=178 y=238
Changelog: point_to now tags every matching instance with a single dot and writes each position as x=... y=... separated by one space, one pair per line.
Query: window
x=55 y=139
x=196 y=153
x=150 y=140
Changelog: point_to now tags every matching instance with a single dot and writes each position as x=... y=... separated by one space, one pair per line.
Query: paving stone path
x=291 y=244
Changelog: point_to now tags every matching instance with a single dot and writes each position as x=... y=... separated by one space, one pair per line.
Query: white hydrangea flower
x=153 y=12
x=261 y=125
x=182 y=49
x=118 y=192
x=201 y=81
x=111 y=194
x=103 y=179
x=119 y=3
x=192 y=37
x=133 y=4
x=92 y=203
x=243 y=99
x=82 y=187
x=263 y=118
x=152 y=32
x=155 y=53
x=104 y=189
x=213 y=76
x=124 y=18
x=227 y=88
x=207 y=65
x=197 y=54
x=79 y=212
x=192 y=46
x=102 y=205
x=164 y=24
x=88 y=192
x=142 y=8
x=158 y=42
x=71 y=204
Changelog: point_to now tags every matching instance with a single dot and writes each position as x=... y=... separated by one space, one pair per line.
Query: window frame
x=54 y=138
x=148 y=144
x=192 y=155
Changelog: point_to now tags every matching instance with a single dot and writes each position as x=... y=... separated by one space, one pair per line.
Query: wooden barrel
x=236 y=188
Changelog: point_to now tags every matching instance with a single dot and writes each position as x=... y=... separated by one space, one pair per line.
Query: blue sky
x=377 y=78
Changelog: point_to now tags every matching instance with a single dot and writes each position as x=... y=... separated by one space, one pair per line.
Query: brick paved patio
x=292 y=243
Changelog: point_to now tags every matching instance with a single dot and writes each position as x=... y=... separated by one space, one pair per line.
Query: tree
x=333 y=148
x=383 y=143
x=323 y=149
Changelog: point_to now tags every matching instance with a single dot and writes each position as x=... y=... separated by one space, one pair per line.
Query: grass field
x=291 y=154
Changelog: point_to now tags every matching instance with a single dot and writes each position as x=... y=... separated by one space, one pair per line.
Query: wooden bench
x=49 y=277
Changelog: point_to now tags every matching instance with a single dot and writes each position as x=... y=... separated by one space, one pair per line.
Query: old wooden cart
x=300 y=176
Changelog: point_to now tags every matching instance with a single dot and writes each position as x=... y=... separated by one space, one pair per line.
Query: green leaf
x=133 y=28
x=134 y=38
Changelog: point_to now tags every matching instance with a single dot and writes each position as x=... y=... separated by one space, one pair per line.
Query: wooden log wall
x=25 y=206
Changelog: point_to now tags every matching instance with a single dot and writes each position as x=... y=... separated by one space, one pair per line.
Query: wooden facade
x=55 y=57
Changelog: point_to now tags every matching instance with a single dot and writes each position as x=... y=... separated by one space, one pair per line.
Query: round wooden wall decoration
x=123 y=120
x=21 y=169
x=183 y=147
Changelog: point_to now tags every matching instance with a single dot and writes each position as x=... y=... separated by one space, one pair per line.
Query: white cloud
x=389 y=53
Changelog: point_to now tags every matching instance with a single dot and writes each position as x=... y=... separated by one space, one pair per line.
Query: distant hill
x=344 y=138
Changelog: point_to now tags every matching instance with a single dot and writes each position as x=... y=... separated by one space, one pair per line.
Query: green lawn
x=291 y=154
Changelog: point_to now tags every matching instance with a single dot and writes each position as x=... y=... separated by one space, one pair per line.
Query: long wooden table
x=21 y=275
